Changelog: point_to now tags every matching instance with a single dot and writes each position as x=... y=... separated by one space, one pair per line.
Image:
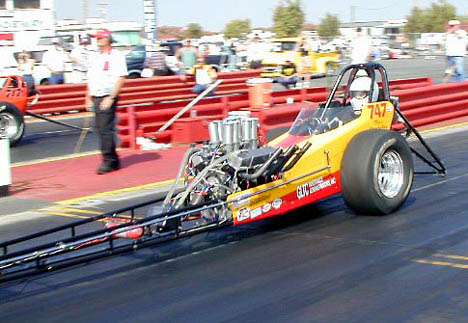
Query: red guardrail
x=70 y=97
x=435 y=103
x=148 y=119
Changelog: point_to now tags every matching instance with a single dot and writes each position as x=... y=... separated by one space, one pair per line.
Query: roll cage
x=406 y=128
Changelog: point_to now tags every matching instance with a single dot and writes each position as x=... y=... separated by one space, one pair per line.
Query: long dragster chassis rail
x=51 y=256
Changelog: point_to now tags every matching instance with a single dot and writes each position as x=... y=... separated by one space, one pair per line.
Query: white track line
x=441 y=182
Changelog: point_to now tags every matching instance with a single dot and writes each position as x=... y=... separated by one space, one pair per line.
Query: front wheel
x=377 y=172
x=11 y=122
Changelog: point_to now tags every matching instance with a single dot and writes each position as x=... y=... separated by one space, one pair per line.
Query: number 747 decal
x=379 y=109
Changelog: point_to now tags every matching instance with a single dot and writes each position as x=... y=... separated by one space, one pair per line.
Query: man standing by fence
x=187 y=55
x=79 y=56
x=106 y=76
x=361 y=47
x=455 y=49
x=54 y=59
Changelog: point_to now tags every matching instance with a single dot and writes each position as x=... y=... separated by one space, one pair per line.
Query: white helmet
x=360 y=89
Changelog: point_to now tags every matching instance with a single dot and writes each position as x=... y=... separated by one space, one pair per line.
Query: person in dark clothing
x=290 y=77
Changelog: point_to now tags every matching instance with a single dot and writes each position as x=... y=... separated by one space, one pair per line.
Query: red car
x=13 y=102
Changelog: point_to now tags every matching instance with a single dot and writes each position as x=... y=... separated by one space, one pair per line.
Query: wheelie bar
x=439 y=167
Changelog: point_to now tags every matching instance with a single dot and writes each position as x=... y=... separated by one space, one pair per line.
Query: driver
x=360 y=90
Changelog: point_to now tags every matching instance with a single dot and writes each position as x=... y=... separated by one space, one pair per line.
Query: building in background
x=24 y=22
x=379 y=28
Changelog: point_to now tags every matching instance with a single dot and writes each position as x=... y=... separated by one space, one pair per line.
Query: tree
x=432 y=19
x=416 y=21
x=288 y=18
x=194 y=30
x=237 y=28
x=439 y=14
x=329 y=26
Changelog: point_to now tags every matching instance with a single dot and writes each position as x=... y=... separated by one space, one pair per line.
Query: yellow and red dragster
x=339 y=146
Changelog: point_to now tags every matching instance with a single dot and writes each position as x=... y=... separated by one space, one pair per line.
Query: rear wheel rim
x=391 y=174
x=8 y=125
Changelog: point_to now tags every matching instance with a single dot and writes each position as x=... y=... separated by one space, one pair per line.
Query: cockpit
x=356 y=86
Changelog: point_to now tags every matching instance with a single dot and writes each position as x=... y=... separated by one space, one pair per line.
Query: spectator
x=79 y=57
x=26 y=68
x=304 y=49
x=54 y=59
x=360 y=48
x=314 y=44
x=255 y=53
x=455 y=49
x=375 y=49
x=172 y=65
x=156 y=61
x=290 y=72
x=205 y=75
x=106 y=76
x=232 y=57
x=187 y=55
x=205 y=50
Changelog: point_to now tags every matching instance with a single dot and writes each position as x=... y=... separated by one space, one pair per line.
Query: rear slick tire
x=11 y=122
x=377 y=172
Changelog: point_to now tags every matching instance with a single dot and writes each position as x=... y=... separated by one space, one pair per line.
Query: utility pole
x=104 y=9
x=150 y=17
x=353 y=13
x=85 y=10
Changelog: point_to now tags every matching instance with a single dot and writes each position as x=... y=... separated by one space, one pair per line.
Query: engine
x=232 y=161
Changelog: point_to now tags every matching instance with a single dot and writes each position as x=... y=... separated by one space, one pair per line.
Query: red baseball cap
x=102 y=34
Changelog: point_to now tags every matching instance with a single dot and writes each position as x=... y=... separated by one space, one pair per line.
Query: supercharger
x=231 y=161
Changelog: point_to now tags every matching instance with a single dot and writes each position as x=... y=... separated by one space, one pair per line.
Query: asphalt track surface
x=322 y=263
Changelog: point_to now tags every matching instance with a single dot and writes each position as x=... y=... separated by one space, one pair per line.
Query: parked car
x=135 y=60
x=224 y=60
x=287 y=49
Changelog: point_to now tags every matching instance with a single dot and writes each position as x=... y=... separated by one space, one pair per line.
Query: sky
x=213 y=15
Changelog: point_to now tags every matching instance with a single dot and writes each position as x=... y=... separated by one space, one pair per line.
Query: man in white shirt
x=255 y=53
x=107 y=70
x=79 y=57
x=455 y=49
x=54 y=59
x=361 y=47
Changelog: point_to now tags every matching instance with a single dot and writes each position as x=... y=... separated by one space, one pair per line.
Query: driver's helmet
x=360 y=89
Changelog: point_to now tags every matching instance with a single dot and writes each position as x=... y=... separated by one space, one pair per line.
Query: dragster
x=233 y=179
